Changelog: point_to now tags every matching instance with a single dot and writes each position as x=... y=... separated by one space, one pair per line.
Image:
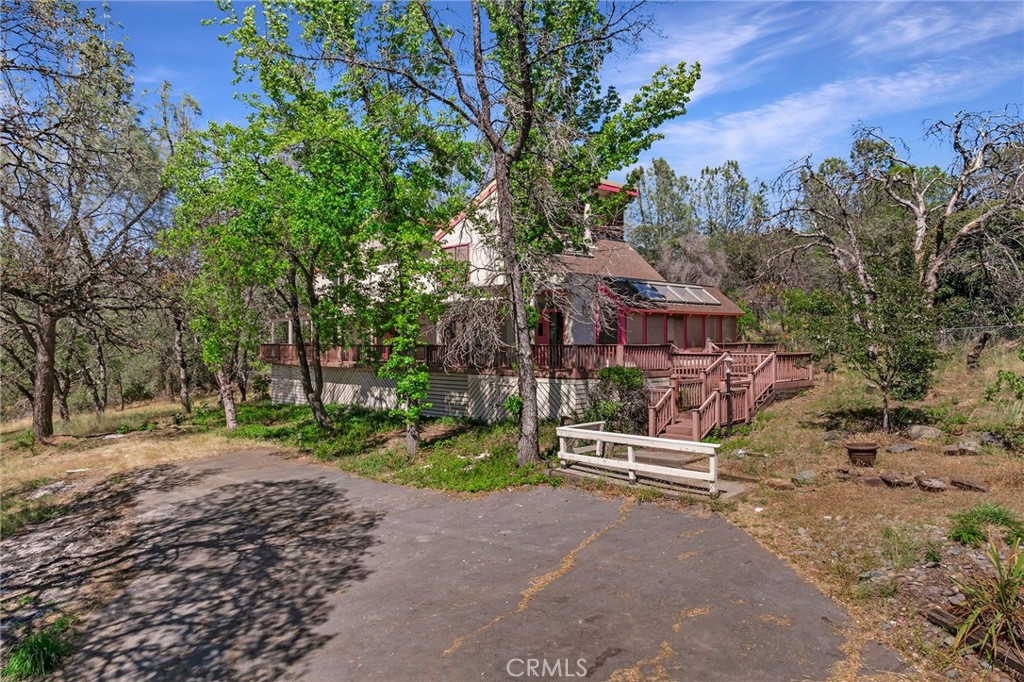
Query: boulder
x=920 y=431
x=967 y=484
x=969 y=448
x=951 y=450
x=897 y=480
x=962 y=449
x=870 y=481
x=899 y=448
x=930 y=484
x=804 y=477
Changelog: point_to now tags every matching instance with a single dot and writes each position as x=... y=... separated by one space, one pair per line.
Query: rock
x=803 y=477
x=779 y=484
x=963 y=449
x=967 y=484
x=970 y=443
x=952 y=674
x=833 y=435
x=920 y=431
x=996 y=439
x=897 y=480
x=869 y=480
x=869 y=575
x=899 y=448
x=49 y=489
x=930 y=483
x=802 y=532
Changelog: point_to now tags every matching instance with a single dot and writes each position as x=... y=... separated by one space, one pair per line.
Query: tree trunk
x=227 y=399
x=62 y=388
x=885 y=411
x=101 y=368
x=179 y=352
x=528 y=449
x=243 y=376
x=412 y=439
x=42 y=389
x=312 y=388
x=974 y=357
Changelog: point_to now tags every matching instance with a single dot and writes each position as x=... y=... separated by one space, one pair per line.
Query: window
x=460 y=254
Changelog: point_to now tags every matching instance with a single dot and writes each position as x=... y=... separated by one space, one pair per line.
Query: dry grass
x=88 y=423
x=103 y=457
x=850 y=519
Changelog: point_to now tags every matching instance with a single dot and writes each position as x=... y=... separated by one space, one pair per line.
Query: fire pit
x=862 y=454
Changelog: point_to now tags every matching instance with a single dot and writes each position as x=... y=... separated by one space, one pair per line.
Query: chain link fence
x=957 y=336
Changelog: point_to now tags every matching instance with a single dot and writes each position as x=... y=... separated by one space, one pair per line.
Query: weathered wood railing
x=794 y=367
x=601 y=443
x=690 y=392
x=691 y=364
x=663 y=410
x=740 y=407
x=705 y=417
x=762 y=380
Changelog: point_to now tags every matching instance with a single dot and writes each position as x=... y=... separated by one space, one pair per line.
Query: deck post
x=631 y=458
x=562 y=448
x=713 y=471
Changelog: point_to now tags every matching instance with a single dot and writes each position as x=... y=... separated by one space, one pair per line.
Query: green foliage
x=41 y=653
x=933 y=552
x=26 y=440
x=994 y=606
x=899 y=548
x=513 y=406
x=886 y=333
x=1011 y=384
x=970 y=526
x=137 y=392
x=619 y=398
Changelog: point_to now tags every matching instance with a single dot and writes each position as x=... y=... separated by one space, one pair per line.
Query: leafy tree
x=524 y=77
x=80 y=183
x=888 y=337
x=663 y=210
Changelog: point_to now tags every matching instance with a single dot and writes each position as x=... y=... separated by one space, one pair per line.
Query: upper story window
x=460 y=254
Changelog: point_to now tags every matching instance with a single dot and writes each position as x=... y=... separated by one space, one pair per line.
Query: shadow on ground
x=229 y=585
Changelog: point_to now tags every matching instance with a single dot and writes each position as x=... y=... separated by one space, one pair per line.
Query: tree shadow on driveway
x=230 y=584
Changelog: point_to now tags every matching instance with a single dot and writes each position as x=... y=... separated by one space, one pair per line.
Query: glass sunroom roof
x=667 y=292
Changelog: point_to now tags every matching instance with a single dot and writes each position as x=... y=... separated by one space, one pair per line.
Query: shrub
x=136 y=391
x=513 y=406
x=25 y=440
x=619 y=398
x=40 y=653
x=970 y=526
x=994 y=605
x=260 y=384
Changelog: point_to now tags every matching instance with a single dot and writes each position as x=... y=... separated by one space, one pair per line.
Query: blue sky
x=780 y=80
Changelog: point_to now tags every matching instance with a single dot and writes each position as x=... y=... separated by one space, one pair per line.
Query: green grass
x=970 y=526
x=40 y=653
x=899 y=548
x=472 y=458
x=17 y=511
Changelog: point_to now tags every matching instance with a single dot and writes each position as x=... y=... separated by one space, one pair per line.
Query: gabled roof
x=610 y=258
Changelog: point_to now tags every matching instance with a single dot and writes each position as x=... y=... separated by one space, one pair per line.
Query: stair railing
x=662 y=412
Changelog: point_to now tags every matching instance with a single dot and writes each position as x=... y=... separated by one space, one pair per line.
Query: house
x=606 y=306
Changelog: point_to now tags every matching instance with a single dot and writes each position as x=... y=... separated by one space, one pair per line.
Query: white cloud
x=943 y=29
x=772 y=135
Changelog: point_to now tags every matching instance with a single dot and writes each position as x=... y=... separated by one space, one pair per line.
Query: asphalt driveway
x=254 y=566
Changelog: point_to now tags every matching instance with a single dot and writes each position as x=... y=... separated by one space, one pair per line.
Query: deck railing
x=705 y=417
x=795 y=367
x=663 y=410
x=762 y=380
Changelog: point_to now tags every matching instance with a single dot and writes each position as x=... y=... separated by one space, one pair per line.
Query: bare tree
x=80 y=178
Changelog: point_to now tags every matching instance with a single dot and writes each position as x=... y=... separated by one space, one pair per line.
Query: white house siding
x=478 y=396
